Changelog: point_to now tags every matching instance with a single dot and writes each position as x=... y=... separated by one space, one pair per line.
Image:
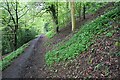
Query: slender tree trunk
x=54 y=11
x=73 y=15
x=15 y=40
x=80 y=10
x=57 y=28
x=16 y=26
x=15 y=21
x=84 y=10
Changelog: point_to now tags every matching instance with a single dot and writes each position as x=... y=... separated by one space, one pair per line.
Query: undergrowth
x=83 y=39
x=50 y=34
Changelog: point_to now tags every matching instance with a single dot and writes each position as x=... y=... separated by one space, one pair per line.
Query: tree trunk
x=54 y=11
x=80 y=10
x=73 y=15
x=15 y=40
x=57 y=28
x=16 y=26
x=84 y=10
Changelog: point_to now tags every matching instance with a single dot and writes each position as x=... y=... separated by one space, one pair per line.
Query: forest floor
x=99 y=61
x=92 y=60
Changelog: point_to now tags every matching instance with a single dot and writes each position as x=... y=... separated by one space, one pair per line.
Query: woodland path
x=31 y=62
x=15 y=69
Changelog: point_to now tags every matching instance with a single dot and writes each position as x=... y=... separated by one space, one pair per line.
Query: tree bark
x=57 y=28
x=84 y=10
x=16 y=26
x=73 y=15
x=15 y=40
x=80 y=9
x=54 y=11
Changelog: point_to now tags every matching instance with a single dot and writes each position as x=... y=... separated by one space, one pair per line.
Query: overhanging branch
x=23 y=14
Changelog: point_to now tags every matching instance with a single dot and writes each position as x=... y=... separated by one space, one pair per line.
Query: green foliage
x=32 y=24
x=80 y=41
x=9 y=58
x=63 y=14
x=93 y=7
x=50 y=34
x=25 y=35
x=7 y=45
x=98 y=66
x=109 y=34
x=117 y=54
x=107 y=72
x=25 y=32
x=117 y=44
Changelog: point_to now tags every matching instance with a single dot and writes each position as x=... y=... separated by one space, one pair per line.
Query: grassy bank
x=6 y=61
x=83 y=39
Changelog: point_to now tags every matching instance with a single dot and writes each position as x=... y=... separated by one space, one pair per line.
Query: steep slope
x=82 y=39
x=96 y=42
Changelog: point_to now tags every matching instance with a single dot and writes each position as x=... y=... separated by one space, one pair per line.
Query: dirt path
x=31 y=63
x=15 y=69
x=36 y=61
